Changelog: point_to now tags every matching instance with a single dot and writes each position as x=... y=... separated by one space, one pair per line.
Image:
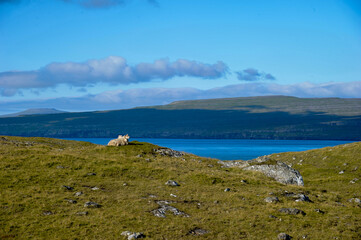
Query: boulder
x=280 y=171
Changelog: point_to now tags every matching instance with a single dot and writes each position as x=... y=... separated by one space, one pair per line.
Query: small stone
x=91 y=174
x=355 y=200
x=147 y=159
x=216 y=202
x=68 y=187
x=136 y=236
x=319 y=211
x=71 y=201
x=283 y=236
x=272 y=216
x=82 y=213
x=227 y=189
x=139 y=155
x=92 y=204
x=243 y=181
x=126 y=233
x=173 y=195
x=172 y=183
x=60 y=167
x=198 y=231
x=341 y=172
x=125 y=184
x=47 y=213
x=271 y=199
x=78 y=194
x=345 y=164
x=95 y=188
x=303 y=198
x=292 y=211
x=354 y=180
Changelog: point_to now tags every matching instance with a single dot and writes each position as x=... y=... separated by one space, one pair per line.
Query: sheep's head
x=126 y=137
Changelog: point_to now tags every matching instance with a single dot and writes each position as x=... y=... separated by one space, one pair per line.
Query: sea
x=229 y=149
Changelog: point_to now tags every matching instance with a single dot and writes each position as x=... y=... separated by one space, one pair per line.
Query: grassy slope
x=293 y=105
x=31 y=183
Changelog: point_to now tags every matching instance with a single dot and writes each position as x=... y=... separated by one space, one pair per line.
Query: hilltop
x=34 y=111
x=275 y=117
x=59 y=189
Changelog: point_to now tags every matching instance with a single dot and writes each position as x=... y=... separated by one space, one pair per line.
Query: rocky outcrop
x=168 y=152
x=277 y=170
x=165 y=207
x=280 y=171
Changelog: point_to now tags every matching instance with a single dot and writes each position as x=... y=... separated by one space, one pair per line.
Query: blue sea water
x=229 y=149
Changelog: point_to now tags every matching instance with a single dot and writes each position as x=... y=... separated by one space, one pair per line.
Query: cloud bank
x=119 y=99
x=252 y=75
x=112 y=70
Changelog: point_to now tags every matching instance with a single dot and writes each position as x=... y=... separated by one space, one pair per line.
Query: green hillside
x=275 y=117
x=40 y=180
x=293 y=105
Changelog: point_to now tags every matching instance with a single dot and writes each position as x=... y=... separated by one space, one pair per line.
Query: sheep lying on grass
x=120 y=141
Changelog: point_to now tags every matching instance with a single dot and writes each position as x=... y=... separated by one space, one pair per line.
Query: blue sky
x=83 y=55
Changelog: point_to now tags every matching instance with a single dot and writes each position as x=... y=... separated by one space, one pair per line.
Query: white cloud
x=112 y=70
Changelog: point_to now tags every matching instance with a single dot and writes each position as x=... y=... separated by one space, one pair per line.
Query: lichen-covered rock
x=168 y=152
x=164 y=208
x=92 y=204
x=292 y=211
x=280 y=171
x=271 y=199
x=283 y=236
x=172 y=183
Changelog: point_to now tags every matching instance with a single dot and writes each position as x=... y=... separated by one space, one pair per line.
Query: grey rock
x=198 y=231
x=168 y=152
x=132 y=235
x=70 y=201
x=303 y=198
x=95 y=188
x=354 y=180
x=342 y=172
x=92 y=204
x=292 y=211
x=271 y=199
x=82 y=213
x=60 y=167
x=227 y=189
x=283 y=236
x=172 y=183
x=47 y=213
x=272 y=216
x=355 y=200
x=319 y=211
x=68 y=187
x=298 y=197
x=164 y=208
x=91 y=174
x=78 y=194
x=281 y=172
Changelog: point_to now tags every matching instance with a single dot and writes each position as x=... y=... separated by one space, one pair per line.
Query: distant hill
x=34 y=111
x=273 y=117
